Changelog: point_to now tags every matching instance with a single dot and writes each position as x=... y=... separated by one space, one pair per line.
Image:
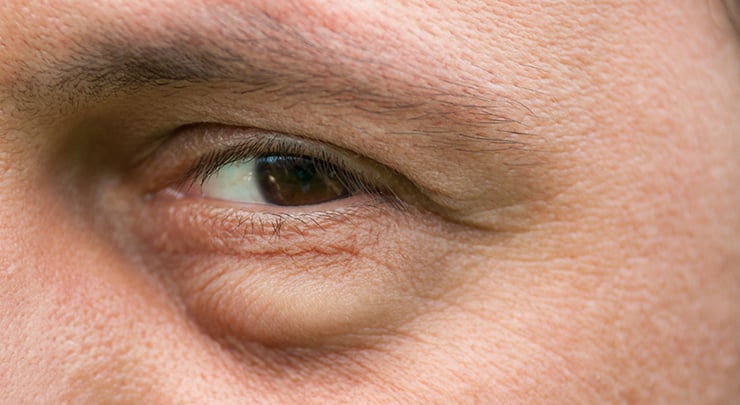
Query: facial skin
x=566 y=227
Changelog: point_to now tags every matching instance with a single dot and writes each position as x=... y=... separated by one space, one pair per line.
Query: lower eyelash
x=233 y=224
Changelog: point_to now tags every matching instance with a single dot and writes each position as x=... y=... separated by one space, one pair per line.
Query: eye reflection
x=285 y=180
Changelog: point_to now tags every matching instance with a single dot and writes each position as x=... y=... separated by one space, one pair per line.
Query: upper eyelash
x=351 y=179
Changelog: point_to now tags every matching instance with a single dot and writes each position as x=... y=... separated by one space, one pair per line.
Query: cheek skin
x=325 y=283
x=647 y=239
x=84 y=326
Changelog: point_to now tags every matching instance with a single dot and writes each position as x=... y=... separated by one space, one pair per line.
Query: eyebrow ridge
x=115 y=63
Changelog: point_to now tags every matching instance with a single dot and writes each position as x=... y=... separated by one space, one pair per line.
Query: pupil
x=297 y=180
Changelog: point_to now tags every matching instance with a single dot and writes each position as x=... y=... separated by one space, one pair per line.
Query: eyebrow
x=277 y=61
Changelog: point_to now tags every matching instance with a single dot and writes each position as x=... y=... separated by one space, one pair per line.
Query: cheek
x=346 y=280
x=81 y=325
x=303 y=300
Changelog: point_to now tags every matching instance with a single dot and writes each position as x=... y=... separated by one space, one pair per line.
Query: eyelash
x=354 y=180
x=169 y=177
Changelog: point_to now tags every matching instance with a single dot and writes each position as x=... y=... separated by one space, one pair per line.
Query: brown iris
x=298 y=180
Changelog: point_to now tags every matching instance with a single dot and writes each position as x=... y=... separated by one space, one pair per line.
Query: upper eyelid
x=168 y=166
x=252 y=147
x=270 y=143
x=194 y=152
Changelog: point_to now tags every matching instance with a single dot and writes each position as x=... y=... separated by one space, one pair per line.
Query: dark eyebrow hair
x=104 y=68
x=276 y=60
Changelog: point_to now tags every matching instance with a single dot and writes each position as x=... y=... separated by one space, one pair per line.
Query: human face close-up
x=305 y=201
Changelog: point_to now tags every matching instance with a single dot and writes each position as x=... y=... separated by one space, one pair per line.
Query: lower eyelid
x=240 y=222
x=285 y=279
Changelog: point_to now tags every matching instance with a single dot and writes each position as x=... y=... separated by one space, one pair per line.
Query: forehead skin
x=622 y=286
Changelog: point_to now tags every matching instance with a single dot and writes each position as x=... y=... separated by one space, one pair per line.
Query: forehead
x=472 y=46
x=404 y=32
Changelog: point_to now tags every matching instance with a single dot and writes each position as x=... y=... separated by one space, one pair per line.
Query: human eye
x=278 y=170
x=280 y=239
x=278 y=179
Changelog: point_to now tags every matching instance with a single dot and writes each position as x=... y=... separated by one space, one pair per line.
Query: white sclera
x=234 y=182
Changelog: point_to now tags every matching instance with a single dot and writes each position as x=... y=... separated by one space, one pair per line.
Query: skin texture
x=568 y=231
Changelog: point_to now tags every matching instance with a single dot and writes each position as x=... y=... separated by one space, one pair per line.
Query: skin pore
x=545 y=210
